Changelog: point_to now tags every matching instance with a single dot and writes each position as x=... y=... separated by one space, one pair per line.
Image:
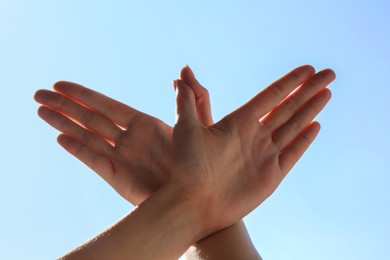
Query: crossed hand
x=130 y=150
x=227 y=168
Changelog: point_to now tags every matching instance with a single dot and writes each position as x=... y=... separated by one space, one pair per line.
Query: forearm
x=162 y=227
x=231 y=243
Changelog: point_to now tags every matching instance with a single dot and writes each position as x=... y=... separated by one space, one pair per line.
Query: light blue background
x=335 y=202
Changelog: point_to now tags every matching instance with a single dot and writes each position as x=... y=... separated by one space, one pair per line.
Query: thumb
x=202 y=97
x=185 y=103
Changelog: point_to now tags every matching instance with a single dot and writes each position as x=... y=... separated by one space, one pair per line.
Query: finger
x=185 y=104
x=116 y=111
x=261 y=104
x=97 y=162
x=288 y=107
x=288 y=132
x=86 y=117
x=202 y=97
x=290 y=156
x=70 y=128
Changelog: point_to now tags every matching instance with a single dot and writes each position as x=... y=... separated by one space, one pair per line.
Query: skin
x=250 y=151
x=223 y=171
x=131 y=150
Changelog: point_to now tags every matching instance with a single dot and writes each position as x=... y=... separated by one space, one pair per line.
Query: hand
x=130 y=150
x=70 y=102
x=231 y=167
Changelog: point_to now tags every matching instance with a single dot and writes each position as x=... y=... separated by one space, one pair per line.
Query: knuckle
x=205 y=92
x=87 y=137
x=63 y=123
x=78 y=149
x=312 y=107
x=290 y=104
x=277 y=91
x=87 y=117
x=296 y=77
x=294 y=127
x=61 y=102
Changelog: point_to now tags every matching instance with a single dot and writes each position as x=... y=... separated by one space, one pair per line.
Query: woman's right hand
x=231 y=167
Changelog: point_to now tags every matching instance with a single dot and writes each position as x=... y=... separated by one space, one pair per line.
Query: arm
x=235 y=164
x=162 y=227
x=253 y=157
x=219 y=173
x=231 y=243
x=141 y=154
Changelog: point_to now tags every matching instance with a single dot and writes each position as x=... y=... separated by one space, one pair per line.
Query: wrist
x=197 y=203
x=184 y=211
x=162 y=227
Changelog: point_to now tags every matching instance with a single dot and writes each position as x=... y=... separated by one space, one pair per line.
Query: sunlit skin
x=131 y=150
x=225 y=169
x=250 y=151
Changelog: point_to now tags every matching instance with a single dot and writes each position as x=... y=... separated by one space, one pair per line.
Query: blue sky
x=335 y=202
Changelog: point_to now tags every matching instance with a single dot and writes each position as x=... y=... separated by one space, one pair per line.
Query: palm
x=131 y=150
x=238 y=162
x=141 y=158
